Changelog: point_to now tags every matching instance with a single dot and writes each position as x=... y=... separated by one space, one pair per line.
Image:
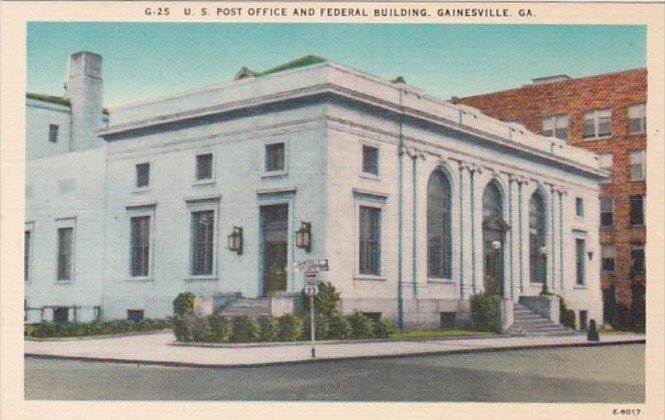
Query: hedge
x=52 y=330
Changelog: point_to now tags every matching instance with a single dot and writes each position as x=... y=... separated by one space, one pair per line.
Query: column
x=553 y=259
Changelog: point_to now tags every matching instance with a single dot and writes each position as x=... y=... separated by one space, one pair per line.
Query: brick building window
x=637 y=119
x=637 y=258
x=605 y=161
x=598 y=124
x=608 y=256
x=204 y=166
x=556 y=125
x=606 y=212
x=142 y=175
x=638 y=169
x=636 y=210
x=53 y=133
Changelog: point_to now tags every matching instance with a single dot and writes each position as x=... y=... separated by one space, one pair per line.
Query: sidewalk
x=162 y=349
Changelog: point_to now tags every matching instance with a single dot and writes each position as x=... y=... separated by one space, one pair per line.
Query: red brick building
x=605 y=114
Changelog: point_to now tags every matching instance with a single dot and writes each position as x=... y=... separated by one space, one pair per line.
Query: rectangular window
x=140 y=246
x=135 y=315
x=608 y=256
x=584 y=315
x=53 y=133
x=204 y=166
x=26 y=255
x=637 y=258
x=638 y=165
x=636 y=210
x=598 y=123
x=370 y=160
x=580 y=261
x=61 y=315
x=579 y=207
x=275 y=157
x=370 y=240
x=556 y=125
x=202 y=242
x=637 y=119
x=606 y=212
x=142 y=175
x=65 y=253
x=605 y=161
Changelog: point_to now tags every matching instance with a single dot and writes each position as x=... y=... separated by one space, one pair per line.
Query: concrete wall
x=238 y=188
x=66 y=191
x=39 y=115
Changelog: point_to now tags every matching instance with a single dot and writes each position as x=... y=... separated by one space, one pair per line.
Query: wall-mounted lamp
x=235 y=240
x=496 y=245
x=543 y=251
x=304 y=236
x=590 y=254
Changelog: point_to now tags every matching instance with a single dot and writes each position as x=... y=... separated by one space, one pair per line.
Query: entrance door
x=493 y=261
x=274 y=233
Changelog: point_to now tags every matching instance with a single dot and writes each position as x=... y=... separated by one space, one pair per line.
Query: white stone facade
x=323 y=114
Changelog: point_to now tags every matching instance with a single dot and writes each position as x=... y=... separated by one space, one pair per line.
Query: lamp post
x=496 y=249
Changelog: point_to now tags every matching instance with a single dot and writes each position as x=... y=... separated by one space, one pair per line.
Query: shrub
x=182 y=330
x=566 y=316
x=339 y=327
x=361 y=325
x=383 y=328
x=184 y=303
x=221 y=329
x=321 y=328
x=290 y=328
x=485 y=312
x=326 y=302
x=246 y=330
x=269 y=327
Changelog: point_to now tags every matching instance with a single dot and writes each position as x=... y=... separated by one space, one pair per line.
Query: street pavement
x=161 y=348
x=599 y=374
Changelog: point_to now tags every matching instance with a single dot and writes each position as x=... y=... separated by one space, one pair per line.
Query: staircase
x=255 y=308
x=527 y=322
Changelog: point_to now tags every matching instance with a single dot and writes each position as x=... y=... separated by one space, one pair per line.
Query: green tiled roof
x=49 y=98
x=305 y=61
x=59 y=100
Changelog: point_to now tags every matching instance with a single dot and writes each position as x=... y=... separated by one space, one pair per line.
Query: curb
x=331 y=359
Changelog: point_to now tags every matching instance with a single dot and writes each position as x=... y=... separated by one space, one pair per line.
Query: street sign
x=305 y=265
x=311 y=290
x=311 y=276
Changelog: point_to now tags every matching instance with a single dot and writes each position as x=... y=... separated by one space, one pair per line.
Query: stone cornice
x=334 y=90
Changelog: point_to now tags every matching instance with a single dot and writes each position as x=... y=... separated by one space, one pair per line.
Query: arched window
x=492 y=206
x=438 y=226
x=538 y=261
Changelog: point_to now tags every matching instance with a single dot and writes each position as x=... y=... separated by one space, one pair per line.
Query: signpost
x=311 y=271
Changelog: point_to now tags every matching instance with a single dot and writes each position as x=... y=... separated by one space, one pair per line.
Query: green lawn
x=436 y=333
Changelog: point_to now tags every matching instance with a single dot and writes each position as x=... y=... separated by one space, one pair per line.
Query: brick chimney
x=84 y=90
